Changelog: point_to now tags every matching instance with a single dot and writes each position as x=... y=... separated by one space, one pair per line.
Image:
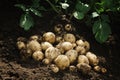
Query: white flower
x=64 y=5
x=95 y=14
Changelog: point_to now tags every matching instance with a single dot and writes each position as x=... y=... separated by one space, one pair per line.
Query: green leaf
x=81 y=7
x=21 y=6
x=78 y=15
x=26 y=21
x=101 y=30
x=36 y=12
x=105 y=18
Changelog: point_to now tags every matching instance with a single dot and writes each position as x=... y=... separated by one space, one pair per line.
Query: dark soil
x=13 y=68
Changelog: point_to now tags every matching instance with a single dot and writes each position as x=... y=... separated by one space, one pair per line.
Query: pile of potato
x=60 y=50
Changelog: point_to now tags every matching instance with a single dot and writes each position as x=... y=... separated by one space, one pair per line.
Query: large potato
x=49 y=37
x=51 y=53
x=72 y=55
x=62 y=61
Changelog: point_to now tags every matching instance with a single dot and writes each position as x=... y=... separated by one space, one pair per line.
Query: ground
x=13 y=68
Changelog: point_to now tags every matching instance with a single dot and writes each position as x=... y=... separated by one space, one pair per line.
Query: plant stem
x=54 y=8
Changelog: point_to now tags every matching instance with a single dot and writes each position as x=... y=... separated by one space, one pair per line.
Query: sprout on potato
x=38 y=55
x=69 y=37
x=45 y=45
x=92 y=58
x=83 y=59
x=72 y=55
x=62 y=61
x=51 y=53
x=49 y=37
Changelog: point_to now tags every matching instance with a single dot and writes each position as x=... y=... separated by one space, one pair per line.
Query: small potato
x=46 y=61
x=92 y=58
x=66 y=46
x=97 y=68
x=54 y=68
x=59 y=39
x=62 y=61
x=45 y=45
x=69 y=38
x=87 y=45
x=58 y=28
x=38 y=55
x=80 y=49
x=72 y=68
x=68 y=27
x=49 y=37
x=72 y=55
x=21 y=45
x=51 y=53
x=84 y=68
x=83 y=59
x=34 y=46
x=34 y=37
x=103 y=70
x=80 y=42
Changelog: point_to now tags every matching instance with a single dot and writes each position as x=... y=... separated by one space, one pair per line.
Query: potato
x=68 y=27
x=72 y=55
x=38 y=55
x=84 y=68
x=51 y=53
x=80 y=49
x=45 y=45
x=66 y=46
x=72 y=68
x=49 y=37
x=21 y=45
x=87 y=45
x=103 y=70
x=59 y=39
x=58 y=28
x=62 y=61
x=33 y=46
x=46 y=61
x=69 y=38
x=54 y=68
x=83 y=59
x=34 y=37
x=80 y=43
x=92 y=58
x=97 y=68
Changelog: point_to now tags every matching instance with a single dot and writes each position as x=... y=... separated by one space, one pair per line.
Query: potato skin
x=21 y=45
x=49 y=37
x=38 y=55
x=51 y=53
x=72 y=55
x=83 y=59
x=92 y=58
x=62 y=61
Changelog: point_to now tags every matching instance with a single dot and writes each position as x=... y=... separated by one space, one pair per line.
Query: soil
x=13 y=68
